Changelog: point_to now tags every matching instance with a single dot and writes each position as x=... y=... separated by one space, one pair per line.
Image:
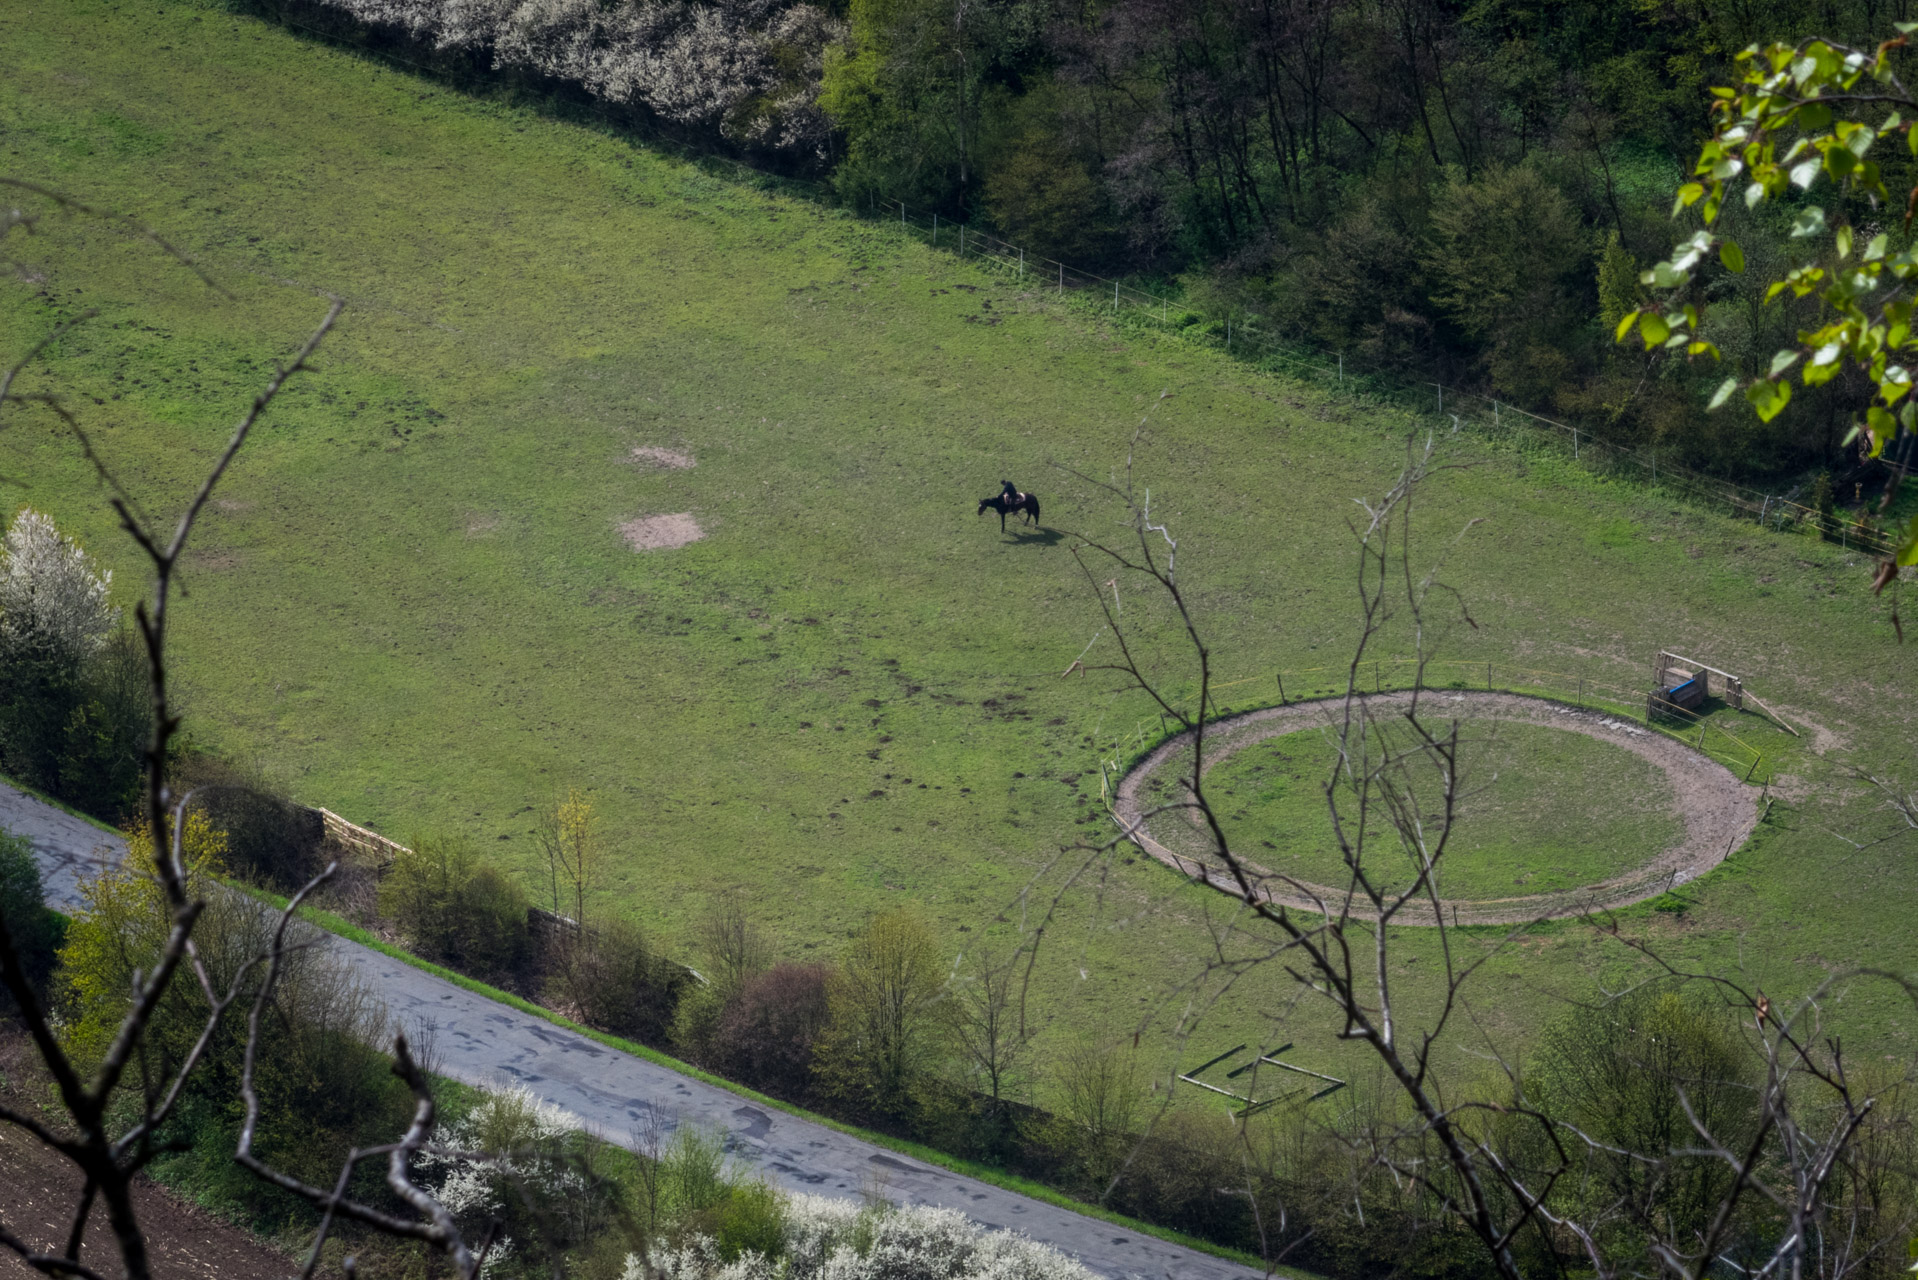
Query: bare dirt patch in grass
x=480 y=522
x=657 y=533
x=665 y=459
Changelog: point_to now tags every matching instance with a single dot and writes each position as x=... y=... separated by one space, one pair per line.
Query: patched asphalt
x=614 y=1094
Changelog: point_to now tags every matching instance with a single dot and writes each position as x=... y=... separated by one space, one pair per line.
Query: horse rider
x=1012 y=496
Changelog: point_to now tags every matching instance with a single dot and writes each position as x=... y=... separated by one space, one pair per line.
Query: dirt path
x=1718 y=810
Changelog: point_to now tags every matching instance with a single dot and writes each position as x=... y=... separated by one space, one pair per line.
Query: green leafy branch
x=1799 y=115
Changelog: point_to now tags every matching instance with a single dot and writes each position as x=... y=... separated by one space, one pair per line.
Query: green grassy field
x=1541 y=810
x=413 y=600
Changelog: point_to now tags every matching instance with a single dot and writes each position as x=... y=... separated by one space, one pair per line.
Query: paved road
x=486 y=1043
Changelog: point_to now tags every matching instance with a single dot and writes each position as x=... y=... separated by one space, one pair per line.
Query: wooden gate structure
x=1682 y=684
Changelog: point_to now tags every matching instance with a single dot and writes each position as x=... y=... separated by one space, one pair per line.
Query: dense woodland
x=1465 y=191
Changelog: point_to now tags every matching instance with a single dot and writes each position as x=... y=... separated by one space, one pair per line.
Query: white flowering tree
x=53 y=598
x=821 y=1238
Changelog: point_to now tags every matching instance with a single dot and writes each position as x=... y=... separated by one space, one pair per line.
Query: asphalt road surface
x=482 y=1042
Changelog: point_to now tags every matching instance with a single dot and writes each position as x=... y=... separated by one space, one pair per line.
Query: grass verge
x=346 y=929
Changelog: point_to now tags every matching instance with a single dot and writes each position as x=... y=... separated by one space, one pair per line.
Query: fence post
x=935 y=231
x=902 y=213
x=1574 y=444
x=962 y=239
x=1281 y=676
x=1488 y=677
x=1341 y=368
x=1022 y=264
x=1115 y=295
x=1441 y=391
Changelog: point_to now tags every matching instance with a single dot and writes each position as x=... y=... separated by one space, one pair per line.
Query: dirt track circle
x=1718 y=810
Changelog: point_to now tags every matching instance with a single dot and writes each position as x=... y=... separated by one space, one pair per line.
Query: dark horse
x=1025 y=502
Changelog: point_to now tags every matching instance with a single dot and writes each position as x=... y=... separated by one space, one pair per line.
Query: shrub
x=34 y=930
x=1618 y=1072
x=1097 y=1112
x=527 y=1169
x=270 y=840
x=766 y=1037
x=695 y=1174
x=1189 y=1172
x=322 y=1088
x=108 y=727
x=1823 y=501
x=454 y=908
x=885 y=1023
x=74 y=716
x=696 y=1021
x=732 y=948
x=849 y=1240
x=612 y=979
x=751 y=1221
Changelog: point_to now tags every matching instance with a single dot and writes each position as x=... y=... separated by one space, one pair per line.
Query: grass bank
x=414 y=596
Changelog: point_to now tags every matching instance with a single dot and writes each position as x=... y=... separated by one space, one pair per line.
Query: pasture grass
x=412 y=599
x=1540 y=810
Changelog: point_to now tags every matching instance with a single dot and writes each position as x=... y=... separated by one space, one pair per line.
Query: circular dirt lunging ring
x=1718 y=810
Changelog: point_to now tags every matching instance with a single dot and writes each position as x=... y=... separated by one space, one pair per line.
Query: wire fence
x=1404 y=388
x=1706 y=733
x=1407 y=389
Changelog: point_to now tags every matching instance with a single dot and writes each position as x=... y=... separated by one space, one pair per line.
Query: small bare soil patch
x=665 y=459
x=657 y=533
x=214 y=561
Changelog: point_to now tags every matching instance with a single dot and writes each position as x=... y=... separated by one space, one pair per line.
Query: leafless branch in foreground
x=1502 y=1164
x=110 y=1158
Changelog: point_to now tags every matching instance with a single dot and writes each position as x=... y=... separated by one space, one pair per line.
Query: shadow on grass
x=1037 y=538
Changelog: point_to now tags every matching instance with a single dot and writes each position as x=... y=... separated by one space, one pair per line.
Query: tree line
x=1465 y=192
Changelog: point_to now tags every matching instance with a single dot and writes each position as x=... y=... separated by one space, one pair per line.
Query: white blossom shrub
x=52 y=596
x=828 y=1239
x=748 y=69
x=509 y=1151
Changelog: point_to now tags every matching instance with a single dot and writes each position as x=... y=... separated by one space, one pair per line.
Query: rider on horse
x=1011 y=495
